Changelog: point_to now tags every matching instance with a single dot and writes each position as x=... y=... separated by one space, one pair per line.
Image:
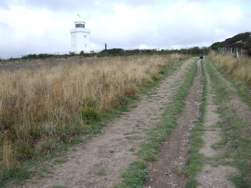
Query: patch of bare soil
x=211 y=177
x=99 y=162
x=174 y=151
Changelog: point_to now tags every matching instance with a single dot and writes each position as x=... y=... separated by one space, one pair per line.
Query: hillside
x=241 y=40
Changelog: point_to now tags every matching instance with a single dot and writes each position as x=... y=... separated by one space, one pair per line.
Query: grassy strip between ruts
x=136 y=173
x=25 y=170
x=195 y=159
x=235 y=132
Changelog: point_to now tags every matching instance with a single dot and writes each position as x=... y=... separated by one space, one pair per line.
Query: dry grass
x=7 y=152
x=239 y=68
x=41 y=106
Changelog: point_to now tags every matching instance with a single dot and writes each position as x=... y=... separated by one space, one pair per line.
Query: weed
x=122 y=100
x=90 y=115
x=177 y=170
x=134 y=176
x=161 y=72
x=155 y=78
x=60 y=160
x=46 y=145
x=134 y=106
x=101 y=173
x=17 y=174
x=192 y=183
x=135 y=137
x=132 y=149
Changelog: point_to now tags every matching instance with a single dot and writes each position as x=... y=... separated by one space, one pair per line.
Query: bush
x=122 y=100
x=72 y=53
x=90 y=115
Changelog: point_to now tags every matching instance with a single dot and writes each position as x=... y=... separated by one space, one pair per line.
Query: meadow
x=42 y=104
x=238 y=68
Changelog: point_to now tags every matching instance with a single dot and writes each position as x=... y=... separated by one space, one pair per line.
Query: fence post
x=237 y=53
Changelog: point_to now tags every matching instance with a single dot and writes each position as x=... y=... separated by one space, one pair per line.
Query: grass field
x=45 y=105
x=239 y=68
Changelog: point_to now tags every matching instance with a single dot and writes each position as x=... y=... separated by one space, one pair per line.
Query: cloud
x=42 y=25
x=63 y=6
x=3 y=5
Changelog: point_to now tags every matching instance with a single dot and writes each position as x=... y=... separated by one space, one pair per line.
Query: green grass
x=135 y=175
x=60 y=160
x=101 y=173
x=90 y=115
x=132 y=149
x=16 y=174
x=134 y=137
x=149 y=149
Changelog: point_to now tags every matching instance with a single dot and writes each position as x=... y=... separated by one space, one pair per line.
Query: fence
x=235 y=51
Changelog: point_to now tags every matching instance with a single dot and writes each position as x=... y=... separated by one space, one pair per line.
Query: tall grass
x=239 y=68
x=7 y=153
x=43 y=106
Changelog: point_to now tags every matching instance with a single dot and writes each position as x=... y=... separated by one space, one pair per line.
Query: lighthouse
x=80 y=38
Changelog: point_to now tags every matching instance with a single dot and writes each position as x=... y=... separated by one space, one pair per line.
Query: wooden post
x=237 y=53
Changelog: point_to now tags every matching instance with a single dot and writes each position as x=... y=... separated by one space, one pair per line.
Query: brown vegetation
x=239 y=68
x=43 y=106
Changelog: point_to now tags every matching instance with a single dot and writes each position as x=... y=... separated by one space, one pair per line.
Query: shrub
x=90 y=115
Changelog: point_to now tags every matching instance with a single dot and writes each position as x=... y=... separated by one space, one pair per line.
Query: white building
x=80 y=38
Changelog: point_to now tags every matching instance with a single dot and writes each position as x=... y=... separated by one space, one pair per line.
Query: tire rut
x=212 y=176
x=174 y=151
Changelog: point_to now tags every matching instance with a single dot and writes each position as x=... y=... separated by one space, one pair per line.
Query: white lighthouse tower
x=80 y=38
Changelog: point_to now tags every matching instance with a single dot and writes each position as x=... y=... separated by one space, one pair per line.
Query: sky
x=43 y=26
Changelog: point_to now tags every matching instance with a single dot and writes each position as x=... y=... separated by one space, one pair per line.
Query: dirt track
x=100 y=161
x=175 y=149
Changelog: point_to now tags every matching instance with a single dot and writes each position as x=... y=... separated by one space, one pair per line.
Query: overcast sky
x=43 y=26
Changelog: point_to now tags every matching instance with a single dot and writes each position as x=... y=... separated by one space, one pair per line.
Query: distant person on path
x=201 y=56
